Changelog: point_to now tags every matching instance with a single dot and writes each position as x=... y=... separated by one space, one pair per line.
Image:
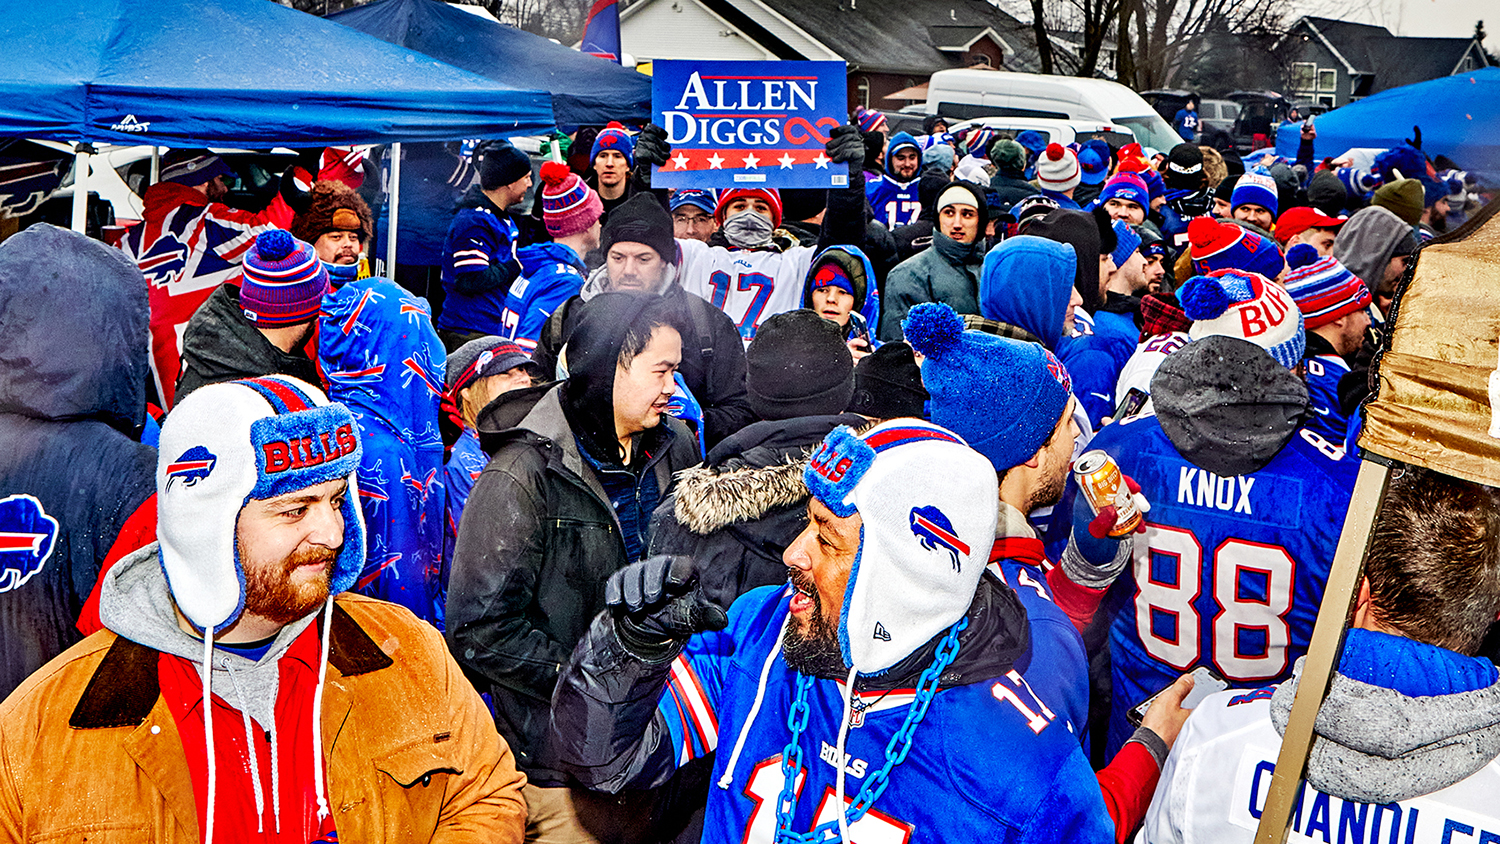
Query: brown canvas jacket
x=90 y=752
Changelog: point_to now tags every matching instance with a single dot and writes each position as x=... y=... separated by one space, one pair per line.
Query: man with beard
x=261 y=326
x=887 y=672
x=338 y=224
x=316 y=700
x=1010 y=400
x=893 y=194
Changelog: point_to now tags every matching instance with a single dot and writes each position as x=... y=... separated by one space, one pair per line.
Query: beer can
x=1102 y=484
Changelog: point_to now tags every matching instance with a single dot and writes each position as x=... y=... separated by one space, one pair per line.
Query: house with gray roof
x=1337 y=62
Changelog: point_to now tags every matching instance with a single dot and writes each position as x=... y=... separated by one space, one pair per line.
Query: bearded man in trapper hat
x=886 y=671
x=318 y=701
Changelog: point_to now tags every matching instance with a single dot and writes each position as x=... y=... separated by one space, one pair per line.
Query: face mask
x=748 y=229
x=341 y=274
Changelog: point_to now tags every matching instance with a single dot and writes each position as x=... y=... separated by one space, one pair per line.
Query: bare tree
x=1160 y=38
x=1043 y=40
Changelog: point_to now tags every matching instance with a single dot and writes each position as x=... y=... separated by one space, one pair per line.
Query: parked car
x=968 y=94
x=1055 y=131
x=1261 y=112
x=1217 y=116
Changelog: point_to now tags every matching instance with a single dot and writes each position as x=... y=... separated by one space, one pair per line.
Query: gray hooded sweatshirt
x=1367 y=242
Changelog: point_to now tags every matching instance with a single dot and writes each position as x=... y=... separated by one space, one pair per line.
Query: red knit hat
x=568 y=205
x=1215 y=245
x=771 y=195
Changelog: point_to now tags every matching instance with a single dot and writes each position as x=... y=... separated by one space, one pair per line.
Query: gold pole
x=1324 y=650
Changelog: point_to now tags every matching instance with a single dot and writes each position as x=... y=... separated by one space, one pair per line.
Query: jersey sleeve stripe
x=698 y=706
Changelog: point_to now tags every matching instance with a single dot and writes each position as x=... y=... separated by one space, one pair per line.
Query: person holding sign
x=754 y=271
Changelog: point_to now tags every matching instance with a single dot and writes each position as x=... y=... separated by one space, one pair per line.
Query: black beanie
x=888 y=384
x=1080 y=229
x=598 y=330
x=798 y=365
x=1327 y=194
x=1184 y=168
x=640 y=219
x=1225 y=190
x=500 y=164
x=798 y=204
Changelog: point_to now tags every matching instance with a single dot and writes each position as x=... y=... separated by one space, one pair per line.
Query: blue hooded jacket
x=867 y=301
x=383 y=359
x=1027 y=282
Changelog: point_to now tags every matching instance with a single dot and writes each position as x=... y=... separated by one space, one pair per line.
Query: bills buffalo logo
x=935 y=532
x=27 y=538
x=194 y=465
x=1058 y=371
x=304 y=452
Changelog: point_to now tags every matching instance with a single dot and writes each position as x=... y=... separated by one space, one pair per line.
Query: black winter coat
x=219 y=344
x=738 y=512
x=72 y=396
x=537 y=541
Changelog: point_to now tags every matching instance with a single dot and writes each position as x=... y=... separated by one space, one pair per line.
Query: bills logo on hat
x=935 y=532
x=1058 y=371
x=836 y=468
x=194 y=465
x=27 y=537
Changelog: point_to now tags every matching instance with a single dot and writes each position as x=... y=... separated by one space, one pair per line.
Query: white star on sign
x=751 y=162
x=715 y=162
x=787 y=161
x=821 y=161
x=681 y=161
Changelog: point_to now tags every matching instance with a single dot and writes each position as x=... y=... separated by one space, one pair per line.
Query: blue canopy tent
x=1457 y=115
x=248 y=73
x=585 y=89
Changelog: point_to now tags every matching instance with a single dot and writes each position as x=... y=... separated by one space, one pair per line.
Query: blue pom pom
x=1203 y=298
x=1301 y=255
x=933 y=329
x=274 y=245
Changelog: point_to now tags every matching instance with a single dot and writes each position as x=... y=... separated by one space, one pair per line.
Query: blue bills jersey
x=1230 y=571
x=895 y=203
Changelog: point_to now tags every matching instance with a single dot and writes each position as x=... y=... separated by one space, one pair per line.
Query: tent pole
x=1324 y=650
x=395 y=200
x=155 y=166
x=80 y=186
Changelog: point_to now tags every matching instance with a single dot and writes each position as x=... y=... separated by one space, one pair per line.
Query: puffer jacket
x=947 y=271
x=537 y=540
x=738 y=512
x=219 y=344
x=72 y=400
x=410 y=751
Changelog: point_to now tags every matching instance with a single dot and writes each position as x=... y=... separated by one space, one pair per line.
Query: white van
x=1054 y=131
x=967 y=94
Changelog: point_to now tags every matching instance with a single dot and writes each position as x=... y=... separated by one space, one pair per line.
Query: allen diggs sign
x=749 y=124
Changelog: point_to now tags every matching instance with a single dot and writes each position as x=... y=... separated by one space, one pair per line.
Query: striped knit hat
x=869 y=120
x=284 y=281
x=1325 y=290
x=1057 y=168
x=1236 y=303
x=614 y=137
x=568 y=205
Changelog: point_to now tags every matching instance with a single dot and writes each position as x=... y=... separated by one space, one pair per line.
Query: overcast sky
x=1432 y=18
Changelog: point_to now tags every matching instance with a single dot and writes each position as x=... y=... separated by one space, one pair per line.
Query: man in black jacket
x=713 y=356
x=262 y=326
x=575 y=471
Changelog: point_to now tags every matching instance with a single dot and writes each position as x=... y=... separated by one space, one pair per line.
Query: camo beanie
x=929 y=504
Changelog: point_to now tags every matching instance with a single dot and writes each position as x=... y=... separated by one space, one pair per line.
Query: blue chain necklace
x=895 y=750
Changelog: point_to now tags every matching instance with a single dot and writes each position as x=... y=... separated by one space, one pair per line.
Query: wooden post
x=1324 y=650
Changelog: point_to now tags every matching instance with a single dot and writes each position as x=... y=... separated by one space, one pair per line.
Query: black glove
x=651 y=147
x=846 y=146
x=295 y=197
x=657 y=605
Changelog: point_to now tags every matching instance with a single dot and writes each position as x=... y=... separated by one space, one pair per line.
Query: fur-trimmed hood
x=752 y=473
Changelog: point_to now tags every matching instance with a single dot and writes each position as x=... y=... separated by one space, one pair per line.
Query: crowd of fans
x=676 y=481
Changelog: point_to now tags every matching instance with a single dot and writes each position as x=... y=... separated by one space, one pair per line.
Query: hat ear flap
x=351 y=560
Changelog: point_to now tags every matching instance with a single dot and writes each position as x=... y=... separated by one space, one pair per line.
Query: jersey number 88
x=1251 y=584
